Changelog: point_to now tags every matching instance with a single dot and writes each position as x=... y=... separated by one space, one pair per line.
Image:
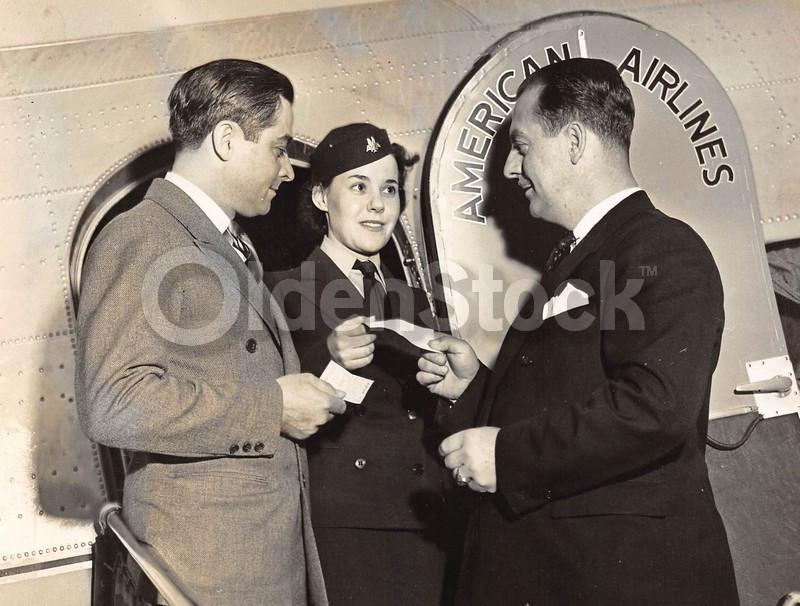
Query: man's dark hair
x=313 y=220
x=587 y=90
x=244 y=92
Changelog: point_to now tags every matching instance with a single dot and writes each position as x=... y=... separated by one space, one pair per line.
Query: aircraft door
x=688 y=152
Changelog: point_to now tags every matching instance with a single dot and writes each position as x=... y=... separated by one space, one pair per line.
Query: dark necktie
x=561 y=250
x=374 y=293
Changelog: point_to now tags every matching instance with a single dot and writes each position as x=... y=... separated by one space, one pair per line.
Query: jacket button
x=548 y=495
x=259 y=446
x=418 y=469
x=233 y=449
x=411 y=415
x=246 y=447
x=526 y=360
x=360 y=463
x=359 y=410
x=251 y=345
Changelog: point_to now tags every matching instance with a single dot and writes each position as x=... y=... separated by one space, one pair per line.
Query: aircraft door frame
x=685 y=125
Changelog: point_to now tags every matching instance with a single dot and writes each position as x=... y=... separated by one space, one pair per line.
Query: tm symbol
x=648 y=271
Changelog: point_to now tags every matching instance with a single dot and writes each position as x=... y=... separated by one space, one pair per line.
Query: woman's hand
x=350 y=344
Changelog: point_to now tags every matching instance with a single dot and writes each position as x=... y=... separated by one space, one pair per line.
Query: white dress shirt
x=206 y=203
x=597 y=212
x=344 y=258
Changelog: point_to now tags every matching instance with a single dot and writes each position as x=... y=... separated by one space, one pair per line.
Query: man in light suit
x=590 y=431
x=184 y=359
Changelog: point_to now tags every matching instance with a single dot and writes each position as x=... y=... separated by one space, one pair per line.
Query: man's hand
x=308 y=403
x=350 y=345
x=450 y=372
x=470 y=455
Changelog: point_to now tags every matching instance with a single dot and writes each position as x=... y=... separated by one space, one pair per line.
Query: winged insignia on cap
x=372 y=145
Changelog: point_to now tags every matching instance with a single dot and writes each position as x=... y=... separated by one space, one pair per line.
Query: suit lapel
x=607 y=226
x=398 y=296
x=325 y=273
x=551 y=281
x=221 y=256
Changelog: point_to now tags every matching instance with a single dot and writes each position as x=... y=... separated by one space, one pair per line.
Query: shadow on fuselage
x=527 y=239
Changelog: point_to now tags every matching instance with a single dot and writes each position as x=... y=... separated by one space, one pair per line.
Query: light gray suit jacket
x=179 y=349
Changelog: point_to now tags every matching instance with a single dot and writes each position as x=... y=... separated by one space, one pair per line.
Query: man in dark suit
x=185 y=359
x=590 y=431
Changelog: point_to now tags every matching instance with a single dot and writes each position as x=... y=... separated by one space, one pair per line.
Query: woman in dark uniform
x=376 y=482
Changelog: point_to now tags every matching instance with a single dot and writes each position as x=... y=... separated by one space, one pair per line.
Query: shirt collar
x=598 y=211
x=210 y=208
x=344 y=258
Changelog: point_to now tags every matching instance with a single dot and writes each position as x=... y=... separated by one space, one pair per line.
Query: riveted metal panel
x=258 y=39
x=773 y=139
x=747 y=42
x=406 y=81
x=33 y=259
x=78 y=64
x=51 y=481
x=388 y=21
x=59 y=141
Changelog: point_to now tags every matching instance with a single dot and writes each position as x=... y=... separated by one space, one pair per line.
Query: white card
x=355 y=387
x=569 y=298
x=417 y=335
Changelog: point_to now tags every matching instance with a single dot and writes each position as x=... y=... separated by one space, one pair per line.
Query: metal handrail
x=158 y=575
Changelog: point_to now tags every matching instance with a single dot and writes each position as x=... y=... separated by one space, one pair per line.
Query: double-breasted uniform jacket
x=179 y=350
x=603 y=494
x=374 y=466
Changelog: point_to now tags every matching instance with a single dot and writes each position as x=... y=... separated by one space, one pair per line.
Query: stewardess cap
x=348 y=147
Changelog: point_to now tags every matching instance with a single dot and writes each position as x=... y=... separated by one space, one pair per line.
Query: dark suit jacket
x=603 y=493
x=179 y=349
x=375 y=466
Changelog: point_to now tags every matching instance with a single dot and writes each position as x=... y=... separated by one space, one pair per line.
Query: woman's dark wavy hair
x=312 y=219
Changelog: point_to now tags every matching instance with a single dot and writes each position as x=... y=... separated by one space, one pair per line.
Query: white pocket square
x=570 y=297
